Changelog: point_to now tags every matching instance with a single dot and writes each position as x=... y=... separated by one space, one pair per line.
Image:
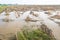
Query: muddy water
x=52 y=25
x=18 y=23
x=11 y=27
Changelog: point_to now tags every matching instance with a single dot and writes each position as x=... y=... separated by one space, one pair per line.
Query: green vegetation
x=2 y=7
x=3 y=4
x=36 y=34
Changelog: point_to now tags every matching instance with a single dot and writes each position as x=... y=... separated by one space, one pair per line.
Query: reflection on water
x=7 y=20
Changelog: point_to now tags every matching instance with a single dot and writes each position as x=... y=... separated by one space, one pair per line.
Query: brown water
x=12 y=27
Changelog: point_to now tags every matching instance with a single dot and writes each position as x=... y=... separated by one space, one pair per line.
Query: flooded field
x=11 y=23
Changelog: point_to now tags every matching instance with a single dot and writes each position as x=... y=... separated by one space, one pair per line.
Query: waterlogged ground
x=11 y=27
